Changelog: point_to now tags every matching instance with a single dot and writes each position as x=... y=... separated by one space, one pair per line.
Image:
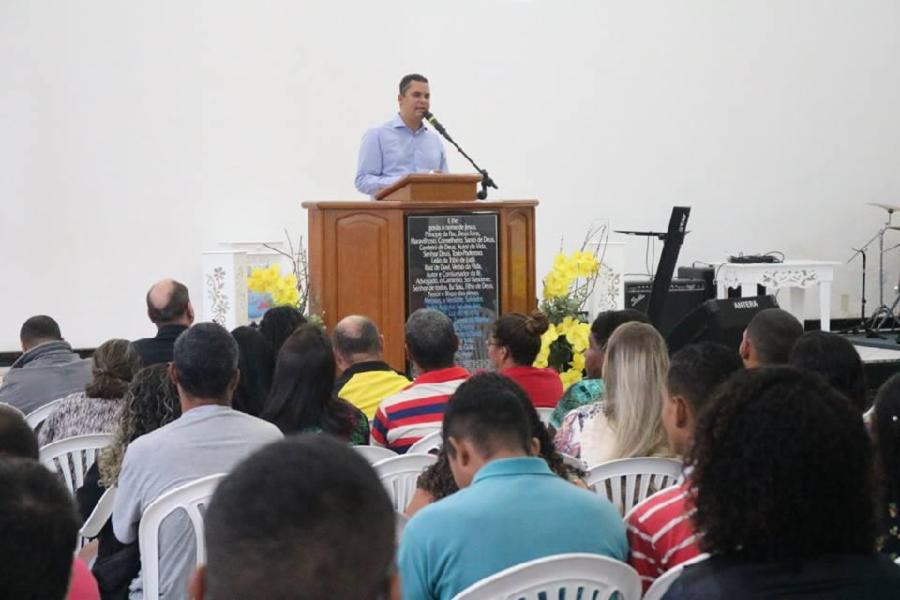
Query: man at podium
x=404 y=144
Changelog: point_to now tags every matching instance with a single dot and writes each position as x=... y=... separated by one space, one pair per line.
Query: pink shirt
x=82 y=585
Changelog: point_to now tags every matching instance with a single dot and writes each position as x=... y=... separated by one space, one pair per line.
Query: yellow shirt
x=366 y=384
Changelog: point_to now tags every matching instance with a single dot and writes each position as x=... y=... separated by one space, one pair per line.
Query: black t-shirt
x=832 y=577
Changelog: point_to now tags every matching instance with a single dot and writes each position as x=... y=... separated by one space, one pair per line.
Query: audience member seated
x=431 y=345
x=96 y=408
x=40 y=526
x=278 y=323
x=208 y=438
x=365 y=379
x=769 y=338
x=47 y=371
x=437 y=482
x=302 y=396
x=513 y=345
x=659 y=529
x=783 y=488
x=256 y=364
x=834 y=358
x=24 y=545
x=303 y=518
x=626 y=424
x=590 y=389
x=150 y=402
x=169 y=308
x=886 y=433
x=514 y=508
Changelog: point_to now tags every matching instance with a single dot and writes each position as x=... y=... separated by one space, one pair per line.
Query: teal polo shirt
x=516 y=510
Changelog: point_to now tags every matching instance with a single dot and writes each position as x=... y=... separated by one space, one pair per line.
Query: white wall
x=134 y=135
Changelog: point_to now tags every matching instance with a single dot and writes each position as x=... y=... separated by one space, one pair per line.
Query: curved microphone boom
x=486 y=180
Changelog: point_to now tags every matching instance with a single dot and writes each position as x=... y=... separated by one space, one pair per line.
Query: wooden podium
x=361 y=253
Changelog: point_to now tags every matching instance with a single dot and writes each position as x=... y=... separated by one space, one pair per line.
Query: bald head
x=168 y=303
x=356 y=339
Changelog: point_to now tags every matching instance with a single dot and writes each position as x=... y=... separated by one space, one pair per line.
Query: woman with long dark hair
x=302 y=396
x=256 y=361
x=886 y=432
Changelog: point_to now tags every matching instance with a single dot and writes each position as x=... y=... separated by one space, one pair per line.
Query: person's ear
x=460 y=452
x=380 y=342
x=190 y=313
x=197 y=584
x=682 y=412
x=173 y=373
x=535 y=449
x=235 y=380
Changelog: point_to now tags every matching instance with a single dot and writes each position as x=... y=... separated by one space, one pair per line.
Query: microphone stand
x=486 y=180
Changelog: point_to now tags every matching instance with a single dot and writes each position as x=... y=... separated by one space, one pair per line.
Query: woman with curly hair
x=627 y=423
x=437 y=481
x=302 y=396
x=513 y=345
x=886 y=433
x=784 y=490
x=150 y=402
x=96 y=409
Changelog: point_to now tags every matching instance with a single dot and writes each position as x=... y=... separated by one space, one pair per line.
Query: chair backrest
x=545 y=414
x=399 y=475
x=100 y=515
x=662 y=583
x=39 y=415
x=375 y=453
x=576 y=575
x=14 y=409
x=432 y=441
x=73 y=456
x=188 y=497
x=628 y=481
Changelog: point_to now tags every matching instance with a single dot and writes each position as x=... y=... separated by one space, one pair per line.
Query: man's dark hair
x=431 y=340
x=606 y=322
x=40 y=527
x=303 y=517
x=407 y=81
x=205 y=358
x=279 y=323
x=359 y=337
x=783 y=470
x=886 y=428
x=490 y=417
x=773 y=332
x=836 y=360
x=696 y=371
x=16 y=436
x=40 y=328
x=174 y=308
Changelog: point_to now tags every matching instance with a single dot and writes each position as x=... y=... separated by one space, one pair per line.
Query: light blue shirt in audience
x=392 y=150
x=516 y=510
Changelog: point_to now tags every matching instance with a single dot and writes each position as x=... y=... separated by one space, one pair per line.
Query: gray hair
x=430 y=338
x=356 y=334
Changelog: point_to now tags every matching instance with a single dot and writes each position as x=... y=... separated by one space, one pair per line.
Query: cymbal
x=887 y=207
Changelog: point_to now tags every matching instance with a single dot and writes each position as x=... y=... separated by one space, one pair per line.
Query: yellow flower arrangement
x=269 y=280
x=566 y=289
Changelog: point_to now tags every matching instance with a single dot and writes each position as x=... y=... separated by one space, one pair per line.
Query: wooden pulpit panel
x=517 y=285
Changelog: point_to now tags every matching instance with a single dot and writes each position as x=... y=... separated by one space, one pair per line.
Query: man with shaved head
x=365 y=378
x=169 y=308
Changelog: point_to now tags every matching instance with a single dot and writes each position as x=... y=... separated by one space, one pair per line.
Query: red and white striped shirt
x=404 y=418
x=660 y=533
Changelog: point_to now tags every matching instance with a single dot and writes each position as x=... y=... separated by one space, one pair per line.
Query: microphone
x=436 y=124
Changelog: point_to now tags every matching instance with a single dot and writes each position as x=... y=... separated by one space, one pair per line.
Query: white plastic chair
x=425 y=445
x=39 y=415
x=576 y=575
x=545 y=414
x=628 y=481
x=375 y=453
x=73 y=456
x=399 y=475
x=662 y=583
x=188 y=497
x=100 y=515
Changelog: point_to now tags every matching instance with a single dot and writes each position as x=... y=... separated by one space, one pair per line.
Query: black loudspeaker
x=721 y=321
x=684 y=295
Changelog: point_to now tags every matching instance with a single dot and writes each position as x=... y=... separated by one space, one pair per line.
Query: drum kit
x=883 y=316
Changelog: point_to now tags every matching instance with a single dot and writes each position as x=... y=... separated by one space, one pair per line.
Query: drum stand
x=884 y=314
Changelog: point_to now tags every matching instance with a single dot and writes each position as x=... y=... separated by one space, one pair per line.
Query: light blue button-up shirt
x=516 y=510
x=392 y=150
